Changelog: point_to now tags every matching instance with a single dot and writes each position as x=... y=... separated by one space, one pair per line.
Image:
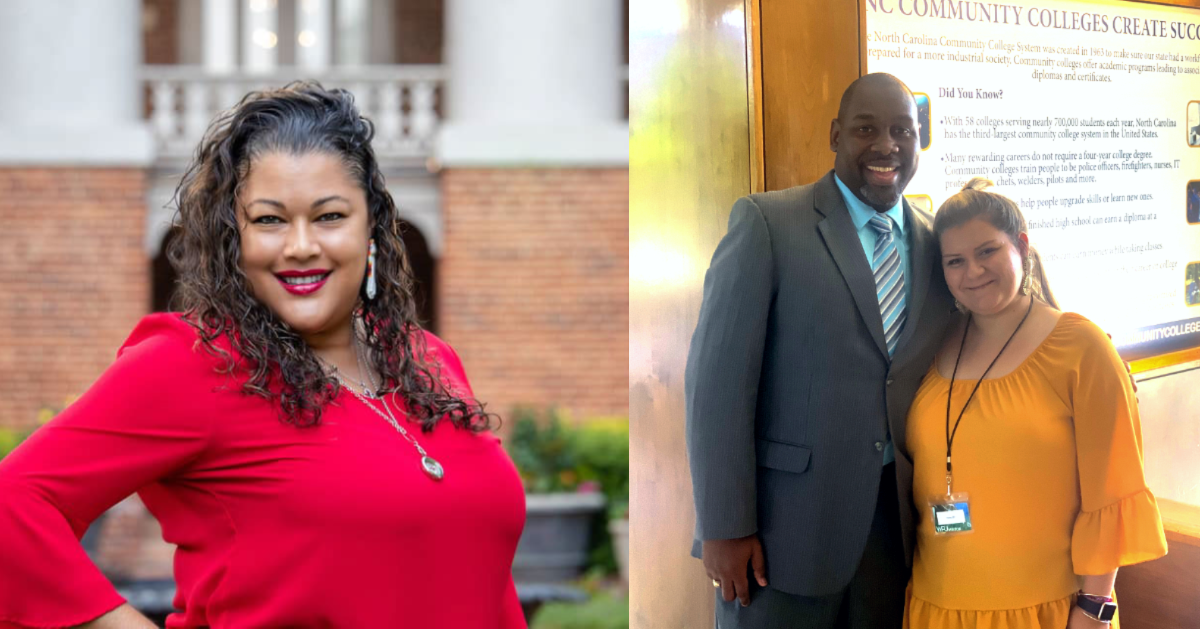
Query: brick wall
x=418 y=30
x=74 y=279
x=160 y=31
x=130 y=544
x=534 y=285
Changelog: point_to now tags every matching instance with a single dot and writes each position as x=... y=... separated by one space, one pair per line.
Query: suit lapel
x=920 y=266
x=837 y=230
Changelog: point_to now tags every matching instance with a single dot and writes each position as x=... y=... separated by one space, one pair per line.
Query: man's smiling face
x=877 y=141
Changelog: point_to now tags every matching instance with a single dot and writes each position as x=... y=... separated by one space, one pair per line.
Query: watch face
x=1102 y=610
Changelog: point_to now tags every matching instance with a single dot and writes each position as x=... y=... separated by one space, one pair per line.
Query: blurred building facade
x=502 y=133
x=501 y=130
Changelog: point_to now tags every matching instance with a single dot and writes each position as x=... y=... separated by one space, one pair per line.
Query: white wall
x=1169 y=400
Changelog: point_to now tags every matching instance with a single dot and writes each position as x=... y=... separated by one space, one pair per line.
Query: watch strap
x=1099 y=608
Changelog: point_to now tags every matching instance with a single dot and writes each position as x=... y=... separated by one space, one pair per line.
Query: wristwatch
x=1100 y=608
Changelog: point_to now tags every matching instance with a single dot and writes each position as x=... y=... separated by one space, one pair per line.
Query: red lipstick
x=306 y=288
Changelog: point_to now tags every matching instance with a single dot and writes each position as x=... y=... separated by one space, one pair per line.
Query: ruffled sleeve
x=1118 y=523
x=134 y=426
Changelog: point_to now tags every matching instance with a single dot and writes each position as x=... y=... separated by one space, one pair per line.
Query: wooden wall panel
x=810 y=54
x=1164 y=593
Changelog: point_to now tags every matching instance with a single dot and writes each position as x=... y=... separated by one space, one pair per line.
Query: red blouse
x=276 y=526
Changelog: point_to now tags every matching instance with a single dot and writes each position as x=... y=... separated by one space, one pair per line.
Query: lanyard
x=950 y=435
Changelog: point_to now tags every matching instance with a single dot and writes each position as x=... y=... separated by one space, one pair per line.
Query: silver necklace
x=371 y=392
x=431 y=467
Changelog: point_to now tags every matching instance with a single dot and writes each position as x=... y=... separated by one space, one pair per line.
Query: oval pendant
x=432 y=468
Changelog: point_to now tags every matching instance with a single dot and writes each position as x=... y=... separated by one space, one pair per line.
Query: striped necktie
x=889 y=280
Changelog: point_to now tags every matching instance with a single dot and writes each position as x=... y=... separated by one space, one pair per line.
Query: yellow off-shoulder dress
x=1051 y=457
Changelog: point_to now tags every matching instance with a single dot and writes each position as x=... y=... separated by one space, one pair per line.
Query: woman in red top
x=317 y=458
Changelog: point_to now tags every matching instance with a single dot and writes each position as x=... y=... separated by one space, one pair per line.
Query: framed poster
x=1087 y=114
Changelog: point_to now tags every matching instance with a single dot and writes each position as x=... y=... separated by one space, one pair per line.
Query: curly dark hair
x=215 y=295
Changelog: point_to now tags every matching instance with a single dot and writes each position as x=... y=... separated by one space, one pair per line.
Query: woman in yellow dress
x=1026 y=444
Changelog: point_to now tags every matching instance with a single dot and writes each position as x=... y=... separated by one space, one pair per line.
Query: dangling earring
x=961 y=308
x=1027 y=283
x=371 y=270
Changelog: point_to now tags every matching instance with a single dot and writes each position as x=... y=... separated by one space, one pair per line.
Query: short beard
x=875 y=200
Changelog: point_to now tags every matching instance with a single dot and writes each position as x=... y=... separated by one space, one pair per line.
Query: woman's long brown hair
x=215 y=295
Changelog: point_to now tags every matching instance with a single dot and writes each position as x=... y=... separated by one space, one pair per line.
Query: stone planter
x=554 y=545
x=619 y=530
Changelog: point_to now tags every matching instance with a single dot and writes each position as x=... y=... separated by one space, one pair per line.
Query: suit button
x=879 y=446
x=889 y=382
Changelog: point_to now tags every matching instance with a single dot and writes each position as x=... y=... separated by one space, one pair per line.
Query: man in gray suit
x=823 y=308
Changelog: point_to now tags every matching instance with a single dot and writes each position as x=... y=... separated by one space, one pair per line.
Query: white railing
x=401 y=100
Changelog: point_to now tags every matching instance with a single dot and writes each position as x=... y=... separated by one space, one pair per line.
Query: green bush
x=602 y=447
x=602 y=454
x=601 y=612
x=551 y=456
x=9 y=440
x=543 y=448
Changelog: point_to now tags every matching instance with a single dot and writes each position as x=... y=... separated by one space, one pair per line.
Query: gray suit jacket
x=790 y=392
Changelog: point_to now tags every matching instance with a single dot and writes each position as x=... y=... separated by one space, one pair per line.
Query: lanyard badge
x=951 y=513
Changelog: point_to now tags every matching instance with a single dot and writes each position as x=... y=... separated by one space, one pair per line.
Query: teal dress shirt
x=861 y=213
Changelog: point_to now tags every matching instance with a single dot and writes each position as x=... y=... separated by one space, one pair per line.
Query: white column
x=381 y=42
x=260 y=35
x=219 y=29
x=73 y=95
x=353 y=32
x=534 y=82
x=191 y=38
x=314 y=34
